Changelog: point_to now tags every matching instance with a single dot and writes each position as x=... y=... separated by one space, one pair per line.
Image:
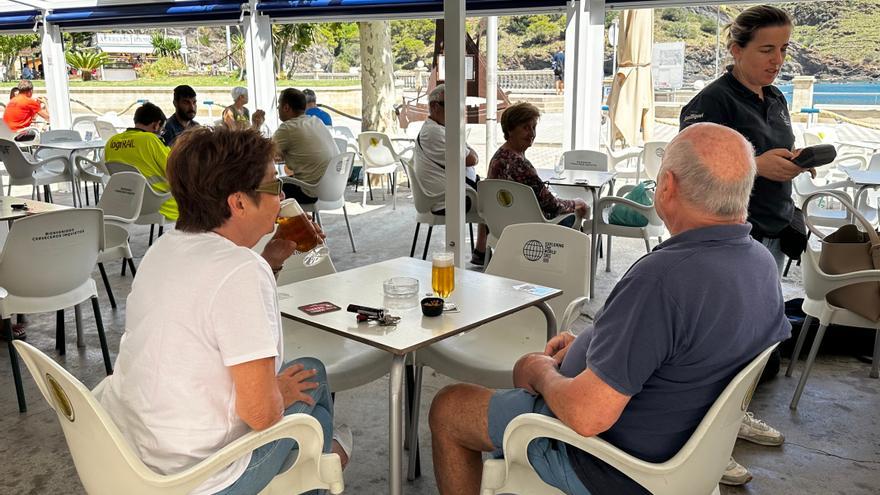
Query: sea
x=850 y=93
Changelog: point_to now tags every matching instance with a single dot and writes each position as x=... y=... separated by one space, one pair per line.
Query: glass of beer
x=294 y=225
x=443 y=273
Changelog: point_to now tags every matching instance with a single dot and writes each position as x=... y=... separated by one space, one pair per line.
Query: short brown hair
x=742 y=30
x=516 y=115
x=206 y=165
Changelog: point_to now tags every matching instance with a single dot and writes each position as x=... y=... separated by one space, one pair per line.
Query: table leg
x=395 y=417
x=77 y=312
x=595 y=238
x=551 y=319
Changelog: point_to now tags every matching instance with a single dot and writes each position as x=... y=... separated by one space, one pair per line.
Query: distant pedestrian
x=312 y=107
x=557 y=63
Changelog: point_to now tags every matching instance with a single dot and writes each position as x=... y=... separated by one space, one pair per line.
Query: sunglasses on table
x=271 y=187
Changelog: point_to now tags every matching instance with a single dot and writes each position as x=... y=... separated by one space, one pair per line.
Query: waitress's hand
x=776 y=165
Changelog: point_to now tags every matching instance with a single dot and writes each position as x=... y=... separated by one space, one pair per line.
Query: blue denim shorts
x=548 y=457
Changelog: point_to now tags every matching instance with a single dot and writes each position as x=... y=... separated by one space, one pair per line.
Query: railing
x=410 y=80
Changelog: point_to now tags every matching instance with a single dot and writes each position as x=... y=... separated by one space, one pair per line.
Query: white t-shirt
x=430 y=159
x=198 y=305
x=307 y=147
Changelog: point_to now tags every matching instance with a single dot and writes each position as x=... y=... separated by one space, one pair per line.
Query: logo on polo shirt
x=693 y=116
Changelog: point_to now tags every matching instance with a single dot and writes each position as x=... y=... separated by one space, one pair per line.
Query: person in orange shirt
x=21 y=109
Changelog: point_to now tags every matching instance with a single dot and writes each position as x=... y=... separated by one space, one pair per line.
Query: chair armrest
x=613 y=200
x=527 y=427
x=293 y=180
x=572 y=312
x=303 y=428
x=558 y=218
x=51 y=159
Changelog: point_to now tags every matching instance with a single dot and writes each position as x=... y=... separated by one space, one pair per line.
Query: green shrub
x=161 y=67
x=708 y=25
x=672 y=15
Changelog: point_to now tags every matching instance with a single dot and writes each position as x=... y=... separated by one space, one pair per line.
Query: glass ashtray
x=401 y=287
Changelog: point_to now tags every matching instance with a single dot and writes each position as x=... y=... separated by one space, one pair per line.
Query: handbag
x=628 y=217
x=847 y=250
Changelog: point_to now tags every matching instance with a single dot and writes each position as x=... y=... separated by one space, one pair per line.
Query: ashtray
x=401 y=287
x=432 y=306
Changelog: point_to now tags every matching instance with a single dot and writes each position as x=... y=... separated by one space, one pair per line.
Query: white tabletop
x=577 y=178
x=863 y=177
x=73 y=145
x=480 y=299
x=34 y=207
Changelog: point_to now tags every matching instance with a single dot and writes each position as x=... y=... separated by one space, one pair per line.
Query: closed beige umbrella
x=631 y=101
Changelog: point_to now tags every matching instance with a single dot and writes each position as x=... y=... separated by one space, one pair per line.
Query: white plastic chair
x=85 y=125
x=503 y=202
x=625 y=162
x=64 y=244
x=106 y=128
x=823 y=216
x=847 y=158
x=91 y=171
x=581 y=160
x=694 y=470
x=7 y=133
x=425 y=203
x=817 y=285
x=153 y=201
x=651 y=158
x=107 y=464
x=23 y=171
x=654 y=229
x=121 y=204
x=379 y=158
x=331 y=190
x=564 y=264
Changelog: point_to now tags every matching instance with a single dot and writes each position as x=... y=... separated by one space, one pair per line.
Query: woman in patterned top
x=518 y=122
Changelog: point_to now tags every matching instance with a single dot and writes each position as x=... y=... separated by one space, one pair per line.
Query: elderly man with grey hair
x=237 y=115
x=430 y=162
x=313 y=110
x=676 y=328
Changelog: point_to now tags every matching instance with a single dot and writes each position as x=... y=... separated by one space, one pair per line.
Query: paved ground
x=833 y=439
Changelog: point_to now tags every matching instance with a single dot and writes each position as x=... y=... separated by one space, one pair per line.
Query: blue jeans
x=548 y=457
x=267 y=461
x=775 y=248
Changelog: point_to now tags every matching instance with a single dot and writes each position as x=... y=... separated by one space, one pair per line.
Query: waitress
x=745 y=99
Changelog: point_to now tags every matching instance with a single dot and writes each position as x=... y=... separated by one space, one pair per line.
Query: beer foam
x=443 y=262
x=290 y=208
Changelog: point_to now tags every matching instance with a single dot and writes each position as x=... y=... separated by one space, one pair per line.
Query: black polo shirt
x=766 y=124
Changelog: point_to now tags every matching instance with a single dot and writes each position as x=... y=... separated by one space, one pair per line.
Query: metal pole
x=454 y=17
x=228 y=49
x=491 y=85
x=717 y=38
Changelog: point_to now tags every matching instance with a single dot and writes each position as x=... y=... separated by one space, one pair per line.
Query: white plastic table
x=864 y=179
x=480 y=298
x=593 y=181
x=72 y=147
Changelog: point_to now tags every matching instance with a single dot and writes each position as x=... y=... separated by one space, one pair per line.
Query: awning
x=335 y=9
x=153 y=14
x=18 y=21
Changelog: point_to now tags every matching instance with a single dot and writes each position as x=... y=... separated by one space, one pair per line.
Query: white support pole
x=454 y=17
x=260 y=60
x=55 y=73
x=573 y=56
x=228 y=49
x=491 y=86
x=591 y=74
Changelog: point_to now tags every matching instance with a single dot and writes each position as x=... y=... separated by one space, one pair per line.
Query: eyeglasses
x=273 y=187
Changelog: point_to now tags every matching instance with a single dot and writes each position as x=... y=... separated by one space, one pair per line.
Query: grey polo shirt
x=682 y=322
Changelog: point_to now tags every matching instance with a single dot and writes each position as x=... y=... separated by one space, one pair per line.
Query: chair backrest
x=102 y=456
x=60 y=135
x=545 y=254
x=819 y=135
x=701 y=461
x=116 y=167
x=874 y=163
x=376 y=149
x=341 y=143
x=331 y=187
x=85 y=125
x=421 y=200
x=105 y=128
x=5 y=131
x=342 y=131
x=123 y=196
x=503 y=202
x=652 y=157
x=64 y=245
x=585 y=160
x=17 y=166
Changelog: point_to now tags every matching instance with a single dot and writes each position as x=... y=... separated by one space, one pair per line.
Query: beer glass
x=443 y=273
x=294 y=225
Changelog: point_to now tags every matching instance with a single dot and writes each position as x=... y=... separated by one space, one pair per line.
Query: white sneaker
x=735 y=474
x=756 y=431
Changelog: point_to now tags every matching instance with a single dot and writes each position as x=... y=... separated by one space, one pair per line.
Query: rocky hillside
x=832 y=40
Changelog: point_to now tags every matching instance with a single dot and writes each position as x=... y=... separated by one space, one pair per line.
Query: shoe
x=478 y=258
x=342 y=436
x=735 y=474
x=756 y=431
x=18 y=332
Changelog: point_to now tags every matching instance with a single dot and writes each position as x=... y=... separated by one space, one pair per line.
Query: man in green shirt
x=141 y=147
